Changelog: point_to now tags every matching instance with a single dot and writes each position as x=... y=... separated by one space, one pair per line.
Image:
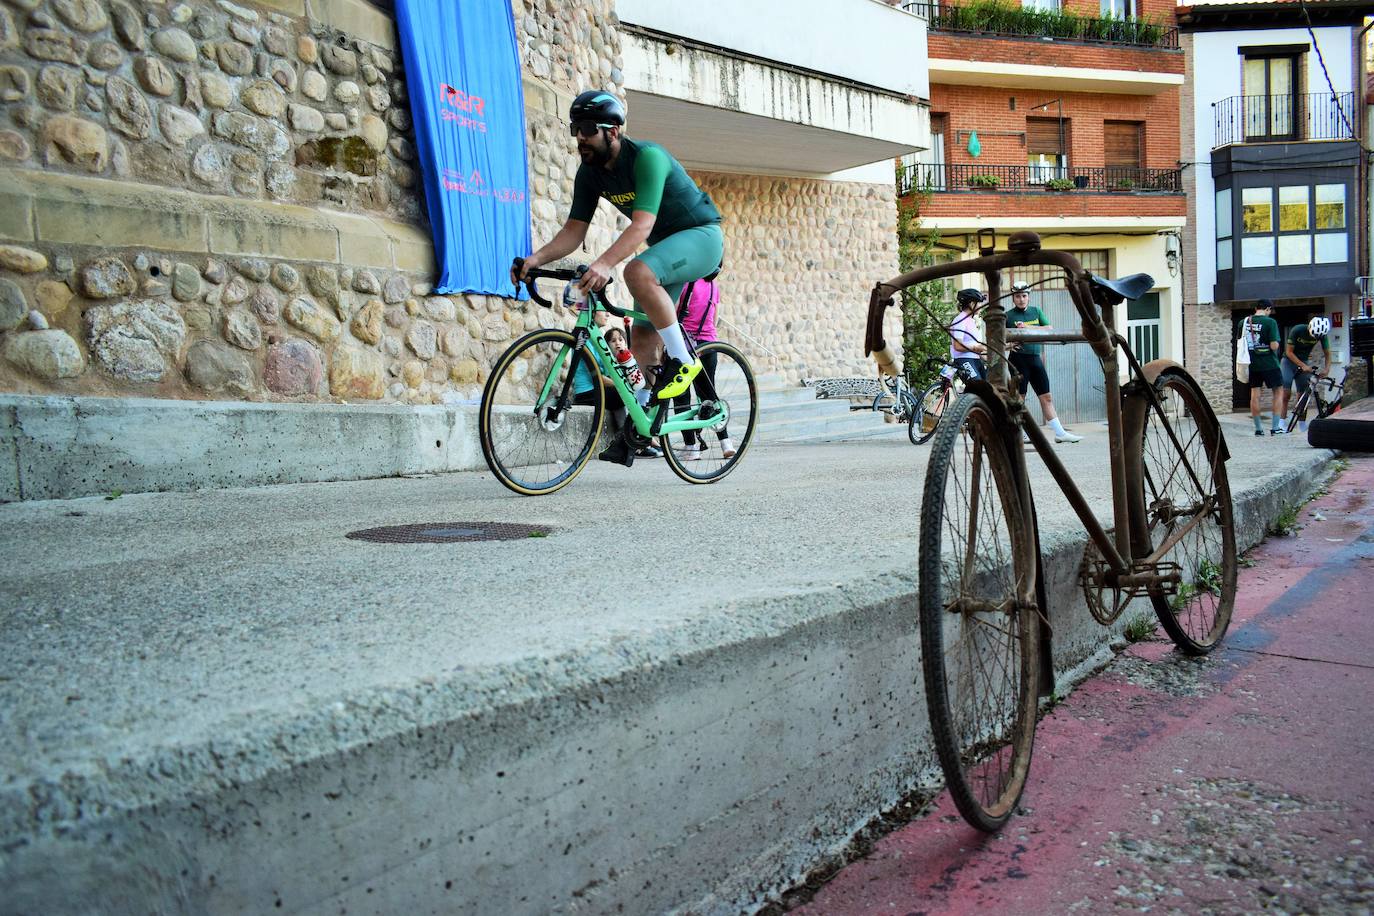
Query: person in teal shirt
x=1261 y=334
x=1297 y=348
x=667 y=210
x=1026 y=359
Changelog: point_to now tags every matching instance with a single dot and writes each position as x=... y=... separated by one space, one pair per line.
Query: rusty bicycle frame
x=1131 y=564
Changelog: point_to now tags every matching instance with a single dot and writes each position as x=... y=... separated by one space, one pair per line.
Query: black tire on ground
x=1342 y=434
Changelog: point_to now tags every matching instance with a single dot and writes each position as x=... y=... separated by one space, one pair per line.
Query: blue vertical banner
x=468 y=105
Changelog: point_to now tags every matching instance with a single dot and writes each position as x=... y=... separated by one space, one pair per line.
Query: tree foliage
x=928 y=308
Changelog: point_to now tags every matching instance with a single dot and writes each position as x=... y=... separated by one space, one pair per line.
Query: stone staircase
x=790 y=413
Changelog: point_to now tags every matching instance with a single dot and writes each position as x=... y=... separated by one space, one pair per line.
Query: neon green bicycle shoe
x=674 y=378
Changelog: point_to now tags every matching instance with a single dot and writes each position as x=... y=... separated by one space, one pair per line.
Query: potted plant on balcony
x=1059 y=184
x=990 y=182
x=1123 y=184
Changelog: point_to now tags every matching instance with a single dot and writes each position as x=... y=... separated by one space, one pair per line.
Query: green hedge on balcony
x=1004 y=19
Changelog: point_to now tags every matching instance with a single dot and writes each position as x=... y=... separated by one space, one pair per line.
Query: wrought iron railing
x=1271 y=118
x=1021 y=178
x=992 y=18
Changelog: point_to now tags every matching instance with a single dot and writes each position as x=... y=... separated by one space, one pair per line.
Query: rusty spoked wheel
x=979 y=624
x=1181 y=494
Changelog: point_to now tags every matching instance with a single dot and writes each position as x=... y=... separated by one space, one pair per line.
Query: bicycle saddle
x=1111 y=292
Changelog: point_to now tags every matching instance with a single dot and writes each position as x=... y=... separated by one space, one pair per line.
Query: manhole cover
x=448 y=532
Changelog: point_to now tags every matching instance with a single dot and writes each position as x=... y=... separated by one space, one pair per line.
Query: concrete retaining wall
x=698 y=772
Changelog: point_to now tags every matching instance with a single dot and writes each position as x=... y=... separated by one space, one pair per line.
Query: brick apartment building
x=1064 y=121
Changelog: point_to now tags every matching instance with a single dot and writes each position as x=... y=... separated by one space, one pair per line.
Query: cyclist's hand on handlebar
x=520 y=268
x=595 y=278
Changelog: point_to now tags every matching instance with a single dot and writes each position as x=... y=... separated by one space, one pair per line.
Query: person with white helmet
x=1297 y=349
x=965 y=349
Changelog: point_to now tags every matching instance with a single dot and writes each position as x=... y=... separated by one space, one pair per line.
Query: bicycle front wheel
x=1182 y=497
x=926 y=417
x=724 y=389
x=1298 y=412
x=537 y=429
x=980 y=629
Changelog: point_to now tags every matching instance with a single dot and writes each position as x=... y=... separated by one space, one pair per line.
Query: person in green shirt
x=1027 y=361
x=1297 y=347
x=1261 y=333
x=666 y=209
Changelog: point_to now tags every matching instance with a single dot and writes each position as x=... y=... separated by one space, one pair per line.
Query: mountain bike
x=937 y=396
x=1323 y=393
x=895 y=397
x=984 y=624
x=542 y=408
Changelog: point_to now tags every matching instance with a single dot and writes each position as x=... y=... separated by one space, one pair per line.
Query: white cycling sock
x=1057 y=427
x=675 y=343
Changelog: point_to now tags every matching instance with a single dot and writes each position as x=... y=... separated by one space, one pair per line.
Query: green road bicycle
x=545 y=401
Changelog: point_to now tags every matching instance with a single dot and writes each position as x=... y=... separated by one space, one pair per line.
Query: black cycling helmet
x=965 y=296
x=594 y=105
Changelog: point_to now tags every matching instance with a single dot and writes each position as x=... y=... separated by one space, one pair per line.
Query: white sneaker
x=727 y=448
x=1067 y=437
x=694 y=452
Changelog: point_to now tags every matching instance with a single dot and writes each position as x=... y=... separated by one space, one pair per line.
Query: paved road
x=1229 y=784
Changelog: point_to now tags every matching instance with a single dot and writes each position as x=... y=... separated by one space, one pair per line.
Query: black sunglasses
x=587 y=128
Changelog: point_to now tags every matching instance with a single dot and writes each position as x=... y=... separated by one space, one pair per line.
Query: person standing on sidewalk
x=1262 y=338
x=1025 y=358
x=1297 y=348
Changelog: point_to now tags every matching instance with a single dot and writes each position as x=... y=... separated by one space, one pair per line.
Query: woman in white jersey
x=964 y=347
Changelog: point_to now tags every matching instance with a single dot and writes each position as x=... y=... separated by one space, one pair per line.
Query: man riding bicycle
x=666 y=208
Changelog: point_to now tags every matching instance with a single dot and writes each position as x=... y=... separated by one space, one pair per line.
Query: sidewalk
x=1229 y=784
x=216 y=701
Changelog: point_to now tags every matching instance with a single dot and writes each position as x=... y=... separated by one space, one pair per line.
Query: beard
x=596 y=152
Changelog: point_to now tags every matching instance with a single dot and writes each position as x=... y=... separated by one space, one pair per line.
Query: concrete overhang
x=944 y=71
x=1057 y=225
x=722 y=111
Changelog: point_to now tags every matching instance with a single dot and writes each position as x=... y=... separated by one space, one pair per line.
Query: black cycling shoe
x=619 y=453
x=649 y=451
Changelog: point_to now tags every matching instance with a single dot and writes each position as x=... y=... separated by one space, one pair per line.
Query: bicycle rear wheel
x=980 y=630
x=1180 y=491
x=534 y=437
x=728 y=392
x=925 y=419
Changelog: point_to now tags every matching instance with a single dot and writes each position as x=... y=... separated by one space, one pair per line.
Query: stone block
x=113 y=221
x=412 y=249
x=355 y=18
x=361 y=242
x=16 y=216
x=248 y=232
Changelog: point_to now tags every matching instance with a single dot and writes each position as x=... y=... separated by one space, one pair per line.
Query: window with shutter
x=1122 y=140
x=1045 y=153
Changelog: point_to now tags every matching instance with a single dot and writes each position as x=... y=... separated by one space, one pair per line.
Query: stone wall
x=801 y=257
x=1210 y=339
x=211 y=199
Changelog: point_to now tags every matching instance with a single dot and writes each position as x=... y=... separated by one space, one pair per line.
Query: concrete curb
x=64 y=447
x=699 y=767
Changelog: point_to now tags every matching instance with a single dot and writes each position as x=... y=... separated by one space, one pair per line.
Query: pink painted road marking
x=1227 y=784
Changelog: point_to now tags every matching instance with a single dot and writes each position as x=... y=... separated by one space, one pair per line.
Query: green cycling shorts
x=682 y=257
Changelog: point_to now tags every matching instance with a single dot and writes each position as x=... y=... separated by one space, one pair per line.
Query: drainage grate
x=449 y=532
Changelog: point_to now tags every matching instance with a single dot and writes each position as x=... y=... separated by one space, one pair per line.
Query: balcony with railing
x=982 y=17
x=1021 y=179
x=1284 y=118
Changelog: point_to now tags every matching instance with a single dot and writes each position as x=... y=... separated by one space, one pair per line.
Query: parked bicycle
x=895 y=397
x=1323 y=394
x=937 y=396
x=542 y=408
x=984 y=624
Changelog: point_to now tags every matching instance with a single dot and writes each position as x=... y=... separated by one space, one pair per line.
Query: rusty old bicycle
x=984 y=626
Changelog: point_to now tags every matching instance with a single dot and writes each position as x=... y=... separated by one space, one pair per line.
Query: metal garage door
x=1075 y=371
